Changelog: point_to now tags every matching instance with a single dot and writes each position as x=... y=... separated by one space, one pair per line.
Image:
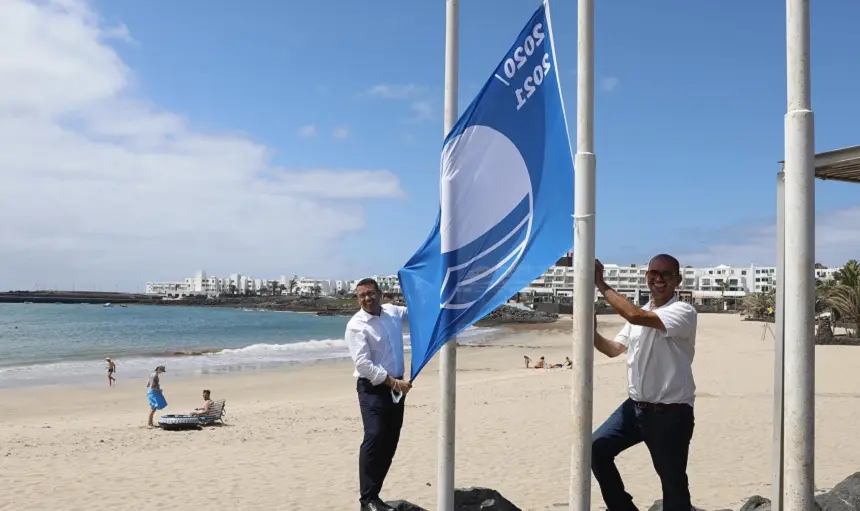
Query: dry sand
x=293 y=434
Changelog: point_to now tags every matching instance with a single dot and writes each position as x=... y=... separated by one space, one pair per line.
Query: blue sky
x=689 y=110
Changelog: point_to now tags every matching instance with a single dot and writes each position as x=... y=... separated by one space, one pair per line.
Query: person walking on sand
x=154 y=393
x=111 y=368
x=375 y=338
x=659 y=340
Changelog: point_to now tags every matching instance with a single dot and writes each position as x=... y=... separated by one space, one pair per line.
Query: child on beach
x=111 y=368
x=154 y=393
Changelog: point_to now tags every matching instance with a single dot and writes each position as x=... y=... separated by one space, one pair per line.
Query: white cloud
x=837 y=239
x=420 y=107
x=421 y=111
x=396 y=91
x=609 y=83
x=102 y=187
x=308 y=131
x=340 y=132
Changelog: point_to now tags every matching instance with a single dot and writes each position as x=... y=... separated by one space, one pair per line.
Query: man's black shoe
x=376 y=505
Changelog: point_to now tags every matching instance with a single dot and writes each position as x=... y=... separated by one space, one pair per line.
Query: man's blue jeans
x=666 y=431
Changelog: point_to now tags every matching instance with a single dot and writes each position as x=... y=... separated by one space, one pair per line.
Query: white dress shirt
x=376 y=343
x=660 y=365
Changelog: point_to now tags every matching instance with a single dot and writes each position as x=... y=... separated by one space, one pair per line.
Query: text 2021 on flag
x=506 y=198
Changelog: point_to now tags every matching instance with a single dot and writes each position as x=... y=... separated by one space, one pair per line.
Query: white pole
x=581 y=389
x=448 y=353
x=779 y=348
x=798 y=490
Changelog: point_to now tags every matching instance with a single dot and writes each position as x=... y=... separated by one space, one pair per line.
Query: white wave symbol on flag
x=487 y=211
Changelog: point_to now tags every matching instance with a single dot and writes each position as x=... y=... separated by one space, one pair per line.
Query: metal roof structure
x=837 y=165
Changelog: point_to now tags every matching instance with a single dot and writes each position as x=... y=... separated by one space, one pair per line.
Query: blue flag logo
x=506 y=198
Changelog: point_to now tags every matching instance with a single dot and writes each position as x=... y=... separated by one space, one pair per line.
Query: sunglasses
x=652 y=274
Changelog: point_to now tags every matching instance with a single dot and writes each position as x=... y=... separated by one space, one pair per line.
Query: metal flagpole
x=448 y=353
x=798 y=491
x=583 y=261
x=779 y=351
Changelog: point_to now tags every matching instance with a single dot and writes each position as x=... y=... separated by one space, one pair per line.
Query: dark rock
x=481 y=499
x=759 y=503
x=467 y=499
x=756 y=503
x=402 y=505
x=507 y=314
x=658 y=506
x=845 y=496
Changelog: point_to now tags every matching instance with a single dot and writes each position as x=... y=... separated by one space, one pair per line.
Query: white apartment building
x=306 y=286
x=704 y=284
x=166 y=289
x=201 y=284
x=342 y=287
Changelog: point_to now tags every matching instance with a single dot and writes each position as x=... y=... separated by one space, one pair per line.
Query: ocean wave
x=321 y=345
x=197 y=361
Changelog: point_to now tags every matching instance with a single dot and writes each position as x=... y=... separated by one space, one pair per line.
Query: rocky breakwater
x=506 y=314
x=321 y=306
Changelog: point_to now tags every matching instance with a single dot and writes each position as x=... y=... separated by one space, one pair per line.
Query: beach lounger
x=185 y=421
x=215 y=415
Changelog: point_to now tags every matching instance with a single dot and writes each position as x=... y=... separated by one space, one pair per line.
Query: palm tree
x=724 y=286
x=317 y=289
x=759 y=305
x=844 y=294
x=292 y=285
x=275 y=286
x=849 y=274
x=823 y=288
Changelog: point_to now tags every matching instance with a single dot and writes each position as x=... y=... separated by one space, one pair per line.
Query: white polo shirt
x=660 y=365
x=376 y=343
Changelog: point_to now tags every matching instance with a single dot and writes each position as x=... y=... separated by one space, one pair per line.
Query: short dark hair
x=669 y=258
x=368 y=282
x=206 y=391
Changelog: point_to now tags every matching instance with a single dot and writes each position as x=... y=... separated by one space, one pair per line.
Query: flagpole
x=799 y=398
x=583 y=261
x=777 y=461
x=448 y=352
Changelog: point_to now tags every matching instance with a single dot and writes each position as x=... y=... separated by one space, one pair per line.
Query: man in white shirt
x=659 y=340
x=375 y=339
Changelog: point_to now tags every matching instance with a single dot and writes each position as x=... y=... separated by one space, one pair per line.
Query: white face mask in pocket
x=396 y=395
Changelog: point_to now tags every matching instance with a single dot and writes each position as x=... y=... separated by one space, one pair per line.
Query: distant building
x=166 y=289
x=705 y=286
x=201 y=284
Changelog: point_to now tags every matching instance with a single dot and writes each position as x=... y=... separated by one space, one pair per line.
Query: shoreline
x=205 y=362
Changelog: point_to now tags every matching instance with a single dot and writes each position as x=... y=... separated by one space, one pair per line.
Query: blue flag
x=506 y=198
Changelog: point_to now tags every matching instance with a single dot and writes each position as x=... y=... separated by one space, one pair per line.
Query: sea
x=63 y=344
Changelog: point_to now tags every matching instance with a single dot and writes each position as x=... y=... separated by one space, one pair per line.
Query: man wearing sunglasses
x=375 y=339
x=659 y=341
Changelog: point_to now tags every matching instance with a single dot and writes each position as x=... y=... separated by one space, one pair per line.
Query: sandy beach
x=292 y=434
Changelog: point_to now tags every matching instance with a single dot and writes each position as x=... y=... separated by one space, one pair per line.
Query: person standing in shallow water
x=659 y=340
x=375 y=339
x=154 y=394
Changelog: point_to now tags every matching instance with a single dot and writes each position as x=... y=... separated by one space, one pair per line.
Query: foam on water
x=195 y=359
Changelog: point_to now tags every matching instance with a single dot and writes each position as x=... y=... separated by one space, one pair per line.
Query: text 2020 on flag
x=506 y=197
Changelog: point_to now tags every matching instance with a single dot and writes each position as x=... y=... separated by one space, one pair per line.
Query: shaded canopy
x=837 y=165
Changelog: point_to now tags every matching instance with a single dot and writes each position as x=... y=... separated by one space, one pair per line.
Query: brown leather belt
x=658 y=407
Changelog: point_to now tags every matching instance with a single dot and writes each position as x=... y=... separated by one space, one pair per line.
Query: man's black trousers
x=382 y=419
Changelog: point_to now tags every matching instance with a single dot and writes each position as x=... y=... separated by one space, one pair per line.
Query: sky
x=143 y=141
